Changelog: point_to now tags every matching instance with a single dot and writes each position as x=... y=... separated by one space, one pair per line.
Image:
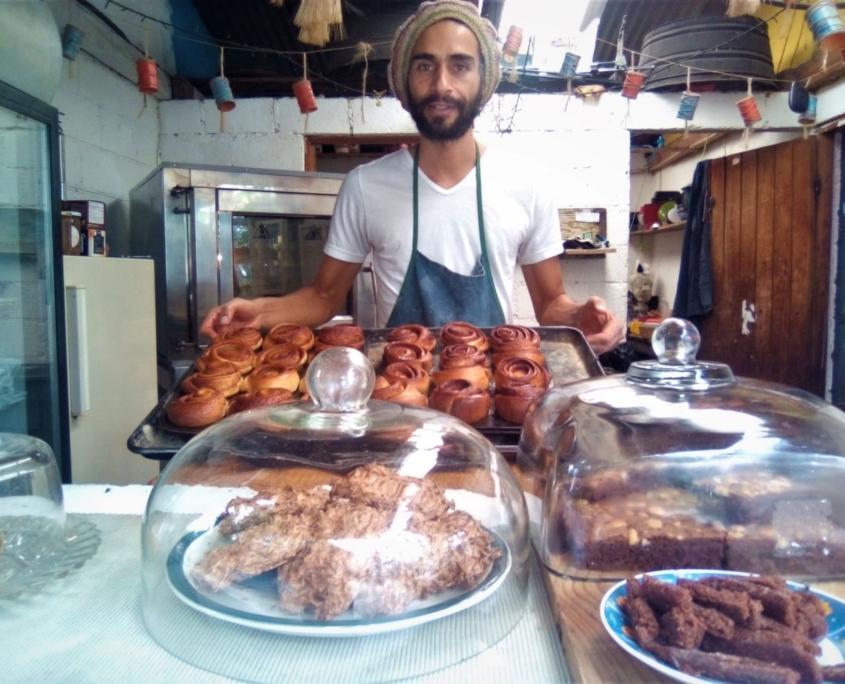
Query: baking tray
x=568 y=356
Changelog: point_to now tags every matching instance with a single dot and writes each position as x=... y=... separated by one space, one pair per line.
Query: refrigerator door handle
x=77 y=350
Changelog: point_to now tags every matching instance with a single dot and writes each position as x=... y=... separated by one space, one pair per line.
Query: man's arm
x=311 y=305
x=552 y=306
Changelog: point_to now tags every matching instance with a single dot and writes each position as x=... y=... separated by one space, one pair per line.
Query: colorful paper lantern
x=808 y=116
x=749 y=111
x=305 y=96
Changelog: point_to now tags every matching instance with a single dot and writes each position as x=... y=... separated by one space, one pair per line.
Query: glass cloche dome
x=680 y=464
x=341 y=538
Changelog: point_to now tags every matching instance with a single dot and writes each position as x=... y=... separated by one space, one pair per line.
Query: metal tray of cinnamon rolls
x=484 y=376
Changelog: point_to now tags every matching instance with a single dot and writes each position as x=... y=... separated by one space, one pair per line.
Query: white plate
x=254 y=602
x=614 y=620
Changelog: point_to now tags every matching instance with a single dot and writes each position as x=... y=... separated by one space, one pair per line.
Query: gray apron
x=432 y=295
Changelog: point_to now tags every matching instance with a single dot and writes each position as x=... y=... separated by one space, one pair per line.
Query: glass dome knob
x=340 y=379
x=675 y=342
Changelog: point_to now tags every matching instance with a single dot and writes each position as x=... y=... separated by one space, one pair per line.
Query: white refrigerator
x=112 y=376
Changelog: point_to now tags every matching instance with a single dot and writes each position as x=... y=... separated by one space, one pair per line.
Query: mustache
x=445 y=99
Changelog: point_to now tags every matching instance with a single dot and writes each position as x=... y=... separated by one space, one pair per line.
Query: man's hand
x=233 y=315
x=603 y=330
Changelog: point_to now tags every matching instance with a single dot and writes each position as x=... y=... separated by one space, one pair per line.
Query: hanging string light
x=688 y=103
x=303 y=91
x=826 y=24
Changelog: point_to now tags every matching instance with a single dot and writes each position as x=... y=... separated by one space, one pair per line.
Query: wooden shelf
x=598 y=252
x=667 y=228
x=680 y=146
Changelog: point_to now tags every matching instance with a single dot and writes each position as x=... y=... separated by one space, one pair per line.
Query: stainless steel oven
x=222 y=232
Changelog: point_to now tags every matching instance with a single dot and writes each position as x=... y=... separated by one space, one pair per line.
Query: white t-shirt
x=374 y=211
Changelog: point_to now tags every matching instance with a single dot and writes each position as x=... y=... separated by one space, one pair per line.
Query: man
x=447 y=221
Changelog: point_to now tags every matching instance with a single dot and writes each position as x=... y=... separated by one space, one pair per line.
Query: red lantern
x=749 y=111
x=147 y=75
x=305 y=96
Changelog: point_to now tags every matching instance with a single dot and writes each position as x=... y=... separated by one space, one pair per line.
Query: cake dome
x=338 y=538
x=680 y=464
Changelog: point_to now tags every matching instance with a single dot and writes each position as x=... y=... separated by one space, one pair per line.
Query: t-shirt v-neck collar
x=468 y=179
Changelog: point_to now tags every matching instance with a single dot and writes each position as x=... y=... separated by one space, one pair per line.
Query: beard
x=436 y=128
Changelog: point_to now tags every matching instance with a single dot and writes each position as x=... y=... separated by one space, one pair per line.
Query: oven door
x=270 y=244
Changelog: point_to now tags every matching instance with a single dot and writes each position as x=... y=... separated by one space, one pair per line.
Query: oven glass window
x=275 y=255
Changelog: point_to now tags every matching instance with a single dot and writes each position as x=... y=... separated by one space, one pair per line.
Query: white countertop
x=87 y=626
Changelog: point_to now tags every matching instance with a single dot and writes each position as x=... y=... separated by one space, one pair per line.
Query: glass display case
x=679 y=464
x=343 y=538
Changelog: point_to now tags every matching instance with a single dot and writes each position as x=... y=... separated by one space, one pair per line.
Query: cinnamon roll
x=270 y=376
x=460 y=399
x=513 y=401
x=197 y=409
x=235 y=352
x=515 y=340
x=416 y=334
x=220 y=375
x=398 y=392
x=409 y=373
x=512 y=370
x=285 y=355
x=341 y=335
x=287 y=333
x=248 y=336
x=460 y=332
x=409 y=352
x=463 y=361
x=267 y=396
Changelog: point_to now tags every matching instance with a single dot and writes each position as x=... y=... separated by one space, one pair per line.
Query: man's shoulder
x=388 y=164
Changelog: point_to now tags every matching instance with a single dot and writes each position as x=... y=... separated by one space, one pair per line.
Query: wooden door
x=771 y=262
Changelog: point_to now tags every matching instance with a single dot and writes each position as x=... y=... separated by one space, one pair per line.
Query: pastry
x=409 y=352
x=515 y=340
x=512 y=370
x=235 y=352
x=399 y=392
x=251 y=337
x=459 y=332
x=341 y=335
x=410 y=373
x=344 y=547
x=197 y=409
x=512 y=401
x=463 y=362
x=267 y=396
x=286 y=333
x=461 y=399
x=284 y=355
x=220 y=375
x=265 y=377
x=416 y=334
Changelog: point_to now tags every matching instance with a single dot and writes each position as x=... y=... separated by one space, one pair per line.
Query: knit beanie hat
x=429 y=13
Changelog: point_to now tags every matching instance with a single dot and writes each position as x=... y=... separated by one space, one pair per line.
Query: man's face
x=444 y=81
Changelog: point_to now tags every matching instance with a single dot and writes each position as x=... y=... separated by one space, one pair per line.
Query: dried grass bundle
x=738 y=8
x=319 y=21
